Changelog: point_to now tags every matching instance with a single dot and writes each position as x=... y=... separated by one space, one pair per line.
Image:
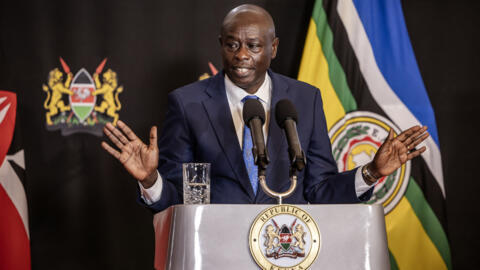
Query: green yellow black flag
x=359 y=55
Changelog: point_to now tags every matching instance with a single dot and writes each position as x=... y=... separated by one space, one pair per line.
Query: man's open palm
x=140 y=160
x=396 y=151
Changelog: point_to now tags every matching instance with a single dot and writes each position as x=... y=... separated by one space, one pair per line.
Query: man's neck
x=251 y=90
x=237 y=93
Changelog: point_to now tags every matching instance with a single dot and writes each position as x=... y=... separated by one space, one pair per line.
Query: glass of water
x=196 y=183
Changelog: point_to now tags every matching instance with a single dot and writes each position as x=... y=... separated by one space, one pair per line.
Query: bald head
x=247 y=14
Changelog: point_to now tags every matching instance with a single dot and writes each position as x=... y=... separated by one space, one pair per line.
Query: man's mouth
x=241 y=71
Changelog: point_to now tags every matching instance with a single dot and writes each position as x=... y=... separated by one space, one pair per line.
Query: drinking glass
x=196 y=183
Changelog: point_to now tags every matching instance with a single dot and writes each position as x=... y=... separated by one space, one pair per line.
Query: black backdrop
x=82 y=208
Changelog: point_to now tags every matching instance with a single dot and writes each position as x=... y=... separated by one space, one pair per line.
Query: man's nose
x=242 y=53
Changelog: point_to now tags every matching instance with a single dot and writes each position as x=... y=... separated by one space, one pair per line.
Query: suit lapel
x=276 y=140
x=220 y=117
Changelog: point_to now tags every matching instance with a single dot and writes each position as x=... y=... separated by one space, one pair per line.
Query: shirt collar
x=236 y=94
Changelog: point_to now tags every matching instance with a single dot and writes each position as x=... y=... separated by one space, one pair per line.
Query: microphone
x=254 y=117
x=287 y=117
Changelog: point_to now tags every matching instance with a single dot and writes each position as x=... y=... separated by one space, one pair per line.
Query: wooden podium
x=216 y=236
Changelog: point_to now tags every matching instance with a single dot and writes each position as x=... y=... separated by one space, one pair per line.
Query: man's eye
x=254 y=47
x=232 y=46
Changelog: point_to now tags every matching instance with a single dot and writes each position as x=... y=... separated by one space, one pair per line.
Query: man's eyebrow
x=248 y=39
x=230 y=37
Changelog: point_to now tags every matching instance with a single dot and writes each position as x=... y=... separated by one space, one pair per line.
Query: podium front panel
x=217 y=236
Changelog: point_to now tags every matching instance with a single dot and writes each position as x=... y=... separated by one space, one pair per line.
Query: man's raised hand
x=140 y=160
x=396 y=151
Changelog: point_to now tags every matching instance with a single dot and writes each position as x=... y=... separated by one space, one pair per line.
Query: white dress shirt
x=235 y=95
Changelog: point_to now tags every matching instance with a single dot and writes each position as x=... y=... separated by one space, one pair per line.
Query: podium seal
x=284 y=237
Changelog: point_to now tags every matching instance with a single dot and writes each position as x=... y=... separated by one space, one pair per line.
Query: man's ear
x=220 y=40
x=274 y=47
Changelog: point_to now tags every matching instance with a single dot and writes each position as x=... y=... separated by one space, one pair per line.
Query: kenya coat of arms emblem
x=284 y=237
x=91 y=102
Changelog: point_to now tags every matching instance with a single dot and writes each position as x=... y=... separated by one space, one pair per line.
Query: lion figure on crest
x=110 y=91
x=298 y=235
x=270 y=236
x=56 y=87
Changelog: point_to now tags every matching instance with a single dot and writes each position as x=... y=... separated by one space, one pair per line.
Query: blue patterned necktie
x=252 y=169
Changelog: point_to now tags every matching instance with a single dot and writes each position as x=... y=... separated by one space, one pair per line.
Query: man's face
x=248 y=46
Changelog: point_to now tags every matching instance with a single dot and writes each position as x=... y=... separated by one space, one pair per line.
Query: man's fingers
x=113 y=138
x=411 y=134
x=406 y=133
x=416 y=153
x=110 y=150
x=390 y=134
x=130 y=134
x=153 y=137
x=417 y=133
x=418 y=140
x=117 y=133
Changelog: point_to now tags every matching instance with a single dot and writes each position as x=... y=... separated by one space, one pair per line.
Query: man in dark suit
x=203 y=124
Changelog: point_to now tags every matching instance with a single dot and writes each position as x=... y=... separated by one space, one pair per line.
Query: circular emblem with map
x=355 y=140
x=284 y=237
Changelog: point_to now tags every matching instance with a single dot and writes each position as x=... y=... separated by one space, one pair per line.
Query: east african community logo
x=355 y=140
x=81 y=102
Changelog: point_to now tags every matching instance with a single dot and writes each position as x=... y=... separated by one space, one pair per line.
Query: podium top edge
x=265 y=206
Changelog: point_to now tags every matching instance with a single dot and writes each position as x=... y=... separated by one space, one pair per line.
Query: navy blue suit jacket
x=199 y=128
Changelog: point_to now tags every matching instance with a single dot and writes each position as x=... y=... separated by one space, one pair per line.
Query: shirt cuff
x=360 y=185
x=152 y=195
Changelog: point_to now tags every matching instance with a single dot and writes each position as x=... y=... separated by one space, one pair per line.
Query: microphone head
x=253 y=108
x=285 y=110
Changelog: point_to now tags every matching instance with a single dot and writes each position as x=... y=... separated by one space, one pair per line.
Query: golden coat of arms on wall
x=81 y=102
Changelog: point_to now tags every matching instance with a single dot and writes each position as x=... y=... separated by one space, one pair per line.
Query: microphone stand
x=294 y=168
x=297 y=164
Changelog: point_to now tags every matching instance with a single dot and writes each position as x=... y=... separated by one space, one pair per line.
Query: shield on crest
x=285 y=237
x=82 y=101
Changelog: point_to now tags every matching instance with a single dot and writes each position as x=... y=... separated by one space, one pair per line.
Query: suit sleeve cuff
x=360 y=185
x=152 y=195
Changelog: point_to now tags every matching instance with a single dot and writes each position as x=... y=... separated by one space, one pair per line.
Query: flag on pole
x=14 y=233
x=358 y=53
